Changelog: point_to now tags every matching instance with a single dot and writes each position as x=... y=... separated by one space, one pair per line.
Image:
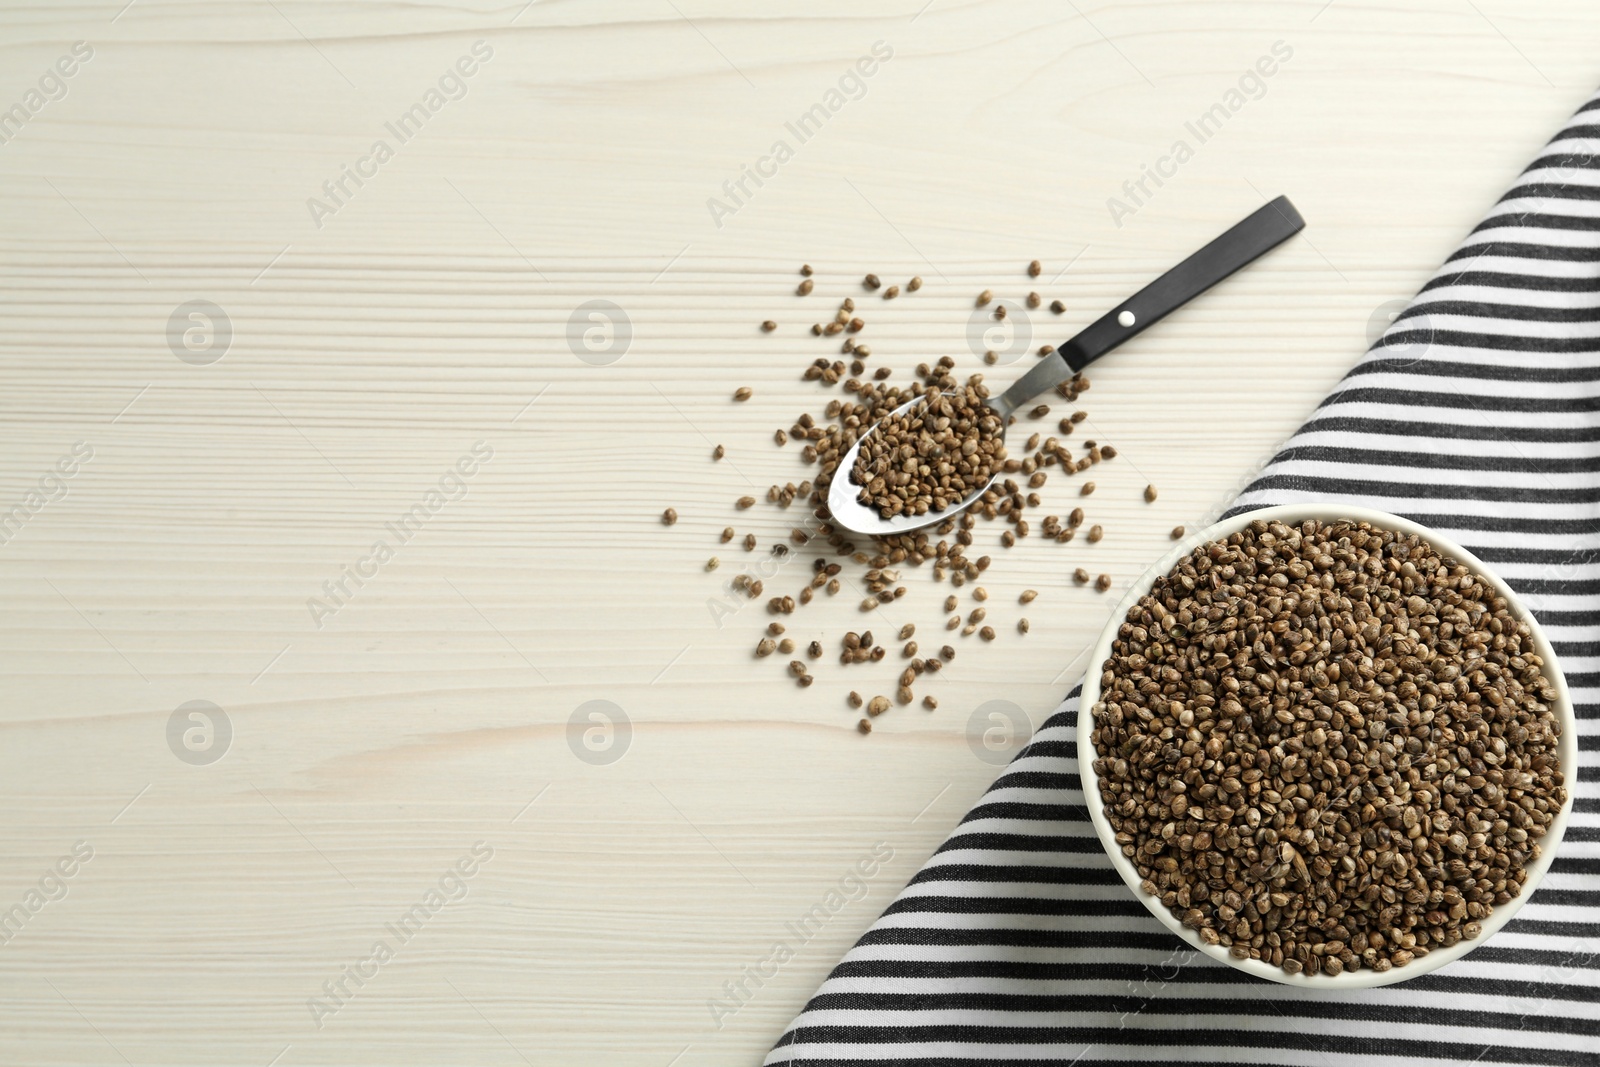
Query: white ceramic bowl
x=1291 y=514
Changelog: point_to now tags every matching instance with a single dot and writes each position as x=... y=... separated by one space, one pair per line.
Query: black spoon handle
x=1263 y=230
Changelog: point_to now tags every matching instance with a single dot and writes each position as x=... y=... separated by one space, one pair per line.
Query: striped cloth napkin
x=1478 y=414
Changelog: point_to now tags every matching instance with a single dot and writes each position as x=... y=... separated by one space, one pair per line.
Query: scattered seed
x=984 y=297
x=768 y=326
x=1028 y=596
x=878 y=705
x=742 y=393
x=814 y=650
x=1022 y=626
x=786 y=646
x=1057 y=306
x=865 y=726
x=891 y=292
x=742 y=503
x=1150 y=494
x=766 y=646
x=1035 y=269
x=804 y=288
x=980 y=593
x=914 y=284
x=780 y=437
x=749 y=542
x=987 y=633
x=1040 y=412
x=1034 y=300
x=855 y=699
x=907 y=630
x=805 y=268
x=669 y=516
x=775 y=629
x=1080 y=576
x=1103 y=582
x=713 y=563
x=1088 y=488
x=871 y=281
x=1108 y=452
x=1096 y=532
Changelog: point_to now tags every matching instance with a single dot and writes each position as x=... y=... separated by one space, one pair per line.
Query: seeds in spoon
x=931 y=456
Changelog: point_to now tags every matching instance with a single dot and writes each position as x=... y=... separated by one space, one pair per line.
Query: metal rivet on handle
x=1125 y=318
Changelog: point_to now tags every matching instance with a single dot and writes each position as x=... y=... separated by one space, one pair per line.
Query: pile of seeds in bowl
x=873 y=569
x=1327 y=747
x=932 y=455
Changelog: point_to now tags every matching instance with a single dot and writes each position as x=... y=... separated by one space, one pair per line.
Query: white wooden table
x=362 y=346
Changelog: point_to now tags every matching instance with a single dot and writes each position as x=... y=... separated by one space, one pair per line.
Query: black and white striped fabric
x=1477 y=414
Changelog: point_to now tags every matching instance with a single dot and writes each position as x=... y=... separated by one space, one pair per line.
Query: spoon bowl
x=843 y=493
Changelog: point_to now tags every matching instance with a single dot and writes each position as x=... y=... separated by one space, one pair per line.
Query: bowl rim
x=1293 y=514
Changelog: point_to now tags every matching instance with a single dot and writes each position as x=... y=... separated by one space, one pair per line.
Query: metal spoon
x=1264 y=229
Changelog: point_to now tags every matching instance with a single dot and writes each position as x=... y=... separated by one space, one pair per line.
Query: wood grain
x=433 y=310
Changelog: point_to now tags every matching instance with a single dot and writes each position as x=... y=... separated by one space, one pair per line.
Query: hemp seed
x=669 y=516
